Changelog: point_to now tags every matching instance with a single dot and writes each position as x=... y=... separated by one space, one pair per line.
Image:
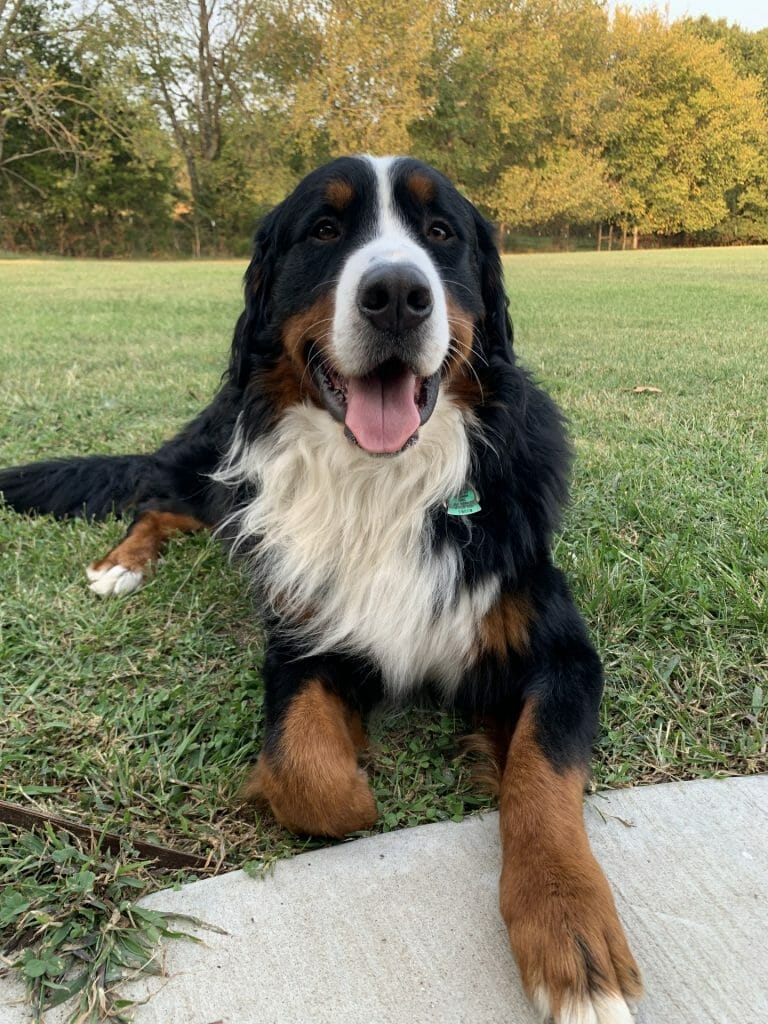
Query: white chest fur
x=344 y=543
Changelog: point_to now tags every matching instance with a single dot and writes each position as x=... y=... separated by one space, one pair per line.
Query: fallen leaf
x=645 y=387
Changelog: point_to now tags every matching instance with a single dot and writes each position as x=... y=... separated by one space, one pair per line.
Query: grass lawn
x=141 y=715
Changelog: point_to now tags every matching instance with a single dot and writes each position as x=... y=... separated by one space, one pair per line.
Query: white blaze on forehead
x=391 y=241
x=391 y=229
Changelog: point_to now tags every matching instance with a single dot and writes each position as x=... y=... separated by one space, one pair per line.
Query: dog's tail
x=91 y=487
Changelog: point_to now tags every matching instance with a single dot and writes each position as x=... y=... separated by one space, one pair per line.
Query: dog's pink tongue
x=381 y=410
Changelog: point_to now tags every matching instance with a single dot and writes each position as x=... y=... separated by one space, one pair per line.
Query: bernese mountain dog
x=392 y=478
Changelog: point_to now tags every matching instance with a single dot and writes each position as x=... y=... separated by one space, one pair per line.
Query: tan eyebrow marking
x=420 y=186
x=339 y=194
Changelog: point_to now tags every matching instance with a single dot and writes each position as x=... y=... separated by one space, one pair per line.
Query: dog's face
x=371 y=288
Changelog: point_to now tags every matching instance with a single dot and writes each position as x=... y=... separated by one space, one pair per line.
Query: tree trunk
x=610 y=237
x=600 y=237
x=206 y=71
x=623 y=237
x=634 y=237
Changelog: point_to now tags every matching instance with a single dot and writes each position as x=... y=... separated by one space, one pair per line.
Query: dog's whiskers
x=476 y=349
x=458 y=284
x=455 y=351
x=326 y=284
x=317 y=355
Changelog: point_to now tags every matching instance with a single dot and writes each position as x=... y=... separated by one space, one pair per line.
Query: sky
x=750 y=14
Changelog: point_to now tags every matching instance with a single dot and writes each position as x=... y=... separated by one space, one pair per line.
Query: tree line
x=132 y=127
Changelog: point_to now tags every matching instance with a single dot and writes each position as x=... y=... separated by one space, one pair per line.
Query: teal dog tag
x=464 y=504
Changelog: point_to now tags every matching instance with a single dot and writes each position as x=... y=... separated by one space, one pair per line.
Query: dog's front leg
x=308 y=770
x=126 y=566
x=574 y=960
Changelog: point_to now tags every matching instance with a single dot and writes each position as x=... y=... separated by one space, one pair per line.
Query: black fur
x=520 y=463
x=91 y=487
x=174 y=478
x=552 y=892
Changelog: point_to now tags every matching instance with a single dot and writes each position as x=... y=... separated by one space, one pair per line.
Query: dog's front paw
x=336 y=804
x=592 y=1008
x=107 y=578
x=574 y=960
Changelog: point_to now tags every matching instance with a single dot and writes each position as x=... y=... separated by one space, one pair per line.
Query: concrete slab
x=405 y=927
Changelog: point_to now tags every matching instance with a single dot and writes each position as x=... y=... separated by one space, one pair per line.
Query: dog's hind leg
x=125 y=568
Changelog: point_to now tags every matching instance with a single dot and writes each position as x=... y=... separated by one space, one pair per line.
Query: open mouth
x=383 y=410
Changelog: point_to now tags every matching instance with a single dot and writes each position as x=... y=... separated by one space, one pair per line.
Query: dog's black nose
x=395 y=298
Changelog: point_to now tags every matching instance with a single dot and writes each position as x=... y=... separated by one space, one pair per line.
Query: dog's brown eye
x=438 y=231
x=325 y=230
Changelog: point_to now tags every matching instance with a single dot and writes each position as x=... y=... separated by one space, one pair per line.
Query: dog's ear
x=252 y=332
x=497 y=325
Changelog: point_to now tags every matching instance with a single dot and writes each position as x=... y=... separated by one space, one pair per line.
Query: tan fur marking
x=145 y=540
x=313 y=783
x=460 y=377
x=289 y=382
x=486 y=752
x=462 y=329
x=555 y=899
x=339 y=194
x=283 y=383
x=312 y=324
x=420 y=186
x=506 y=626
x=465 y=391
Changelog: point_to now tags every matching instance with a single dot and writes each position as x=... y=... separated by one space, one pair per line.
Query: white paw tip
x=118 y=580
x=612 y=1009
x=597 y=1008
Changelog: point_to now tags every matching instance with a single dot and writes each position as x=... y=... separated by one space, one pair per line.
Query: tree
x=518 y=89
x=40 y=95
x=747 y=201
x=78 y=157
x=681 y=128
x=188 y=60
x=747 y=51
x=346 y=75
x=569 y=186
x=548 y=113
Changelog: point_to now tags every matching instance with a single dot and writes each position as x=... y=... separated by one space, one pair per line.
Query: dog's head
x=372 y=286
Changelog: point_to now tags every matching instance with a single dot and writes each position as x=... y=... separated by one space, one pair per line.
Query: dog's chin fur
x=327 y=519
